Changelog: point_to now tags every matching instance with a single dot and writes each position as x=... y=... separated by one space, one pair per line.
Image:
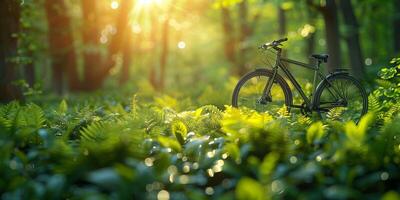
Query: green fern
x=96 y=131
x=373 y=103
x=304 y=120
x=335 y=113
x=134 y=106
x=385 y=83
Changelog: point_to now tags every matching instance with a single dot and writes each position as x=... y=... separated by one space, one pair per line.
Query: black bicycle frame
x=280 y=64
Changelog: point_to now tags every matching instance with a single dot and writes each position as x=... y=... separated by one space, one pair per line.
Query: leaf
x=94 y=132
x=170 y=143
x=249 y=189
x=134 y=106
x=63 y=107
x=31 y=116
x=387 y=73
x=356 y=133
x=315 y=132
x=233 y=151
x=391 y=195
x=180 y=131
x=268 y=165
x=373 y=103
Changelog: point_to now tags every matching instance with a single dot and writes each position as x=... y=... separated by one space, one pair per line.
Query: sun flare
x=149 y=2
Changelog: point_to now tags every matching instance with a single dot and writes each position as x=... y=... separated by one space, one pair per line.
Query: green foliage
x=104 y=148
x=248 y=188
x=315 y=132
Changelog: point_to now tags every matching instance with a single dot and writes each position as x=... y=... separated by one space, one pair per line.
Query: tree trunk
x=229 y=33
x=396 y=26
x=29 y=71
x=310 y=40
x=352 y=37
x=164 y=51
x=91 y=35
x=9 y=24
x=118 y=40
x=153 y=38
x=245 y=32
x=61 y=46
x=127 y=55
x=330 y=15
x=282 y=25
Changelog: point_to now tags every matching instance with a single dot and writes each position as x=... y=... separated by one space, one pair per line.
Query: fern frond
x=373 y=103
x=385 y=83
x=304 y=120
x=134 y=106
x=94 y=132
x=335 y=113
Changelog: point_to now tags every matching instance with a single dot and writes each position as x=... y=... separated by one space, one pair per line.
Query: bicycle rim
x=342 y=98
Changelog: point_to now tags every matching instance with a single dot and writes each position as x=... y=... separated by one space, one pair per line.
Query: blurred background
x=186 y=49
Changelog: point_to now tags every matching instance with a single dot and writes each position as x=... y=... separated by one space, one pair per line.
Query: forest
x=200 y=99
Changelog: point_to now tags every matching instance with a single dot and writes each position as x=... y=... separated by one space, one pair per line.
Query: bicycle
x=337 y=94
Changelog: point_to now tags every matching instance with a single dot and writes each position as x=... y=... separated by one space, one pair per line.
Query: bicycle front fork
x=266 y=95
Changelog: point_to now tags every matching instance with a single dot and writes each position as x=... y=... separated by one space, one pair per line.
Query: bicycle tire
x=329 y=83
x=263 y=73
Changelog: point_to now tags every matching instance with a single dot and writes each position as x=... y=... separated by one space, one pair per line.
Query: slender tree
x=127 y=56
x=310 y=40
x=352 y=38
x=229 y=33
x=61 y=46
x=164 y=50
x=9 y=24
x=244 y=34
x=90 y=37
x=119 y=39
x=282 y=24
x=329 y=12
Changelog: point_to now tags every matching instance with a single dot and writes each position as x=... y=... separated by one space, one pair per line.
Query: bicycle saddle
x=322 y=57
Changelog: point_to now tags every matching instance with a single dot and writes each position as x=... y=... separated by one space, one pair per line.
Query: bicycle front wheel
x=249 y=91
x=342 y=98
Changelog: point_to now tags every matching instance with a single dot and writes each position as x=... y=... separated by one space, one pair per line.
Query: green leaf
x=63 y=107
x=268 y=165
x=170 y=143
x=387 y=73
x=356 y=133
x=391 y=195
x=249 y=189
x=180 y=131
x=315 y=132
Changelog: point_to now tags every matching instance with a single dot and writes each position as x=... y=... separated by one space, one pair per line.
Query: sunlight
x=114 y=5
x=144 y=3
x=182 y=45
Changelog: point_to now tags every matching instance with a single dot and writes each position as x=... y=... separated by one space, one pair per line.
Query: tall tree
x=329 y=12
x=396 y=26
x=127 y=56
x=229 y=33
x=61 y=46
x=9 y=24
x=244 y=34
x=90 y=37
x=311 y=37
x=352 y=38
x=236 y=45
x=119 y=39
x=282 y=24
x=164 y=50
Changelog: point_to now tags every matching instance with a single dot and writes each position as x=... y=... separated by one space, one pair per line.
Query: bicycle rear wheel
x=342 y=98
x=248 y=92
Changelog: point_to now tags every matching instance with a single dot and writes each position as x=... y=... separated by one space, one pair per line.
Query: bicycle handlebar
x=274 y=44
